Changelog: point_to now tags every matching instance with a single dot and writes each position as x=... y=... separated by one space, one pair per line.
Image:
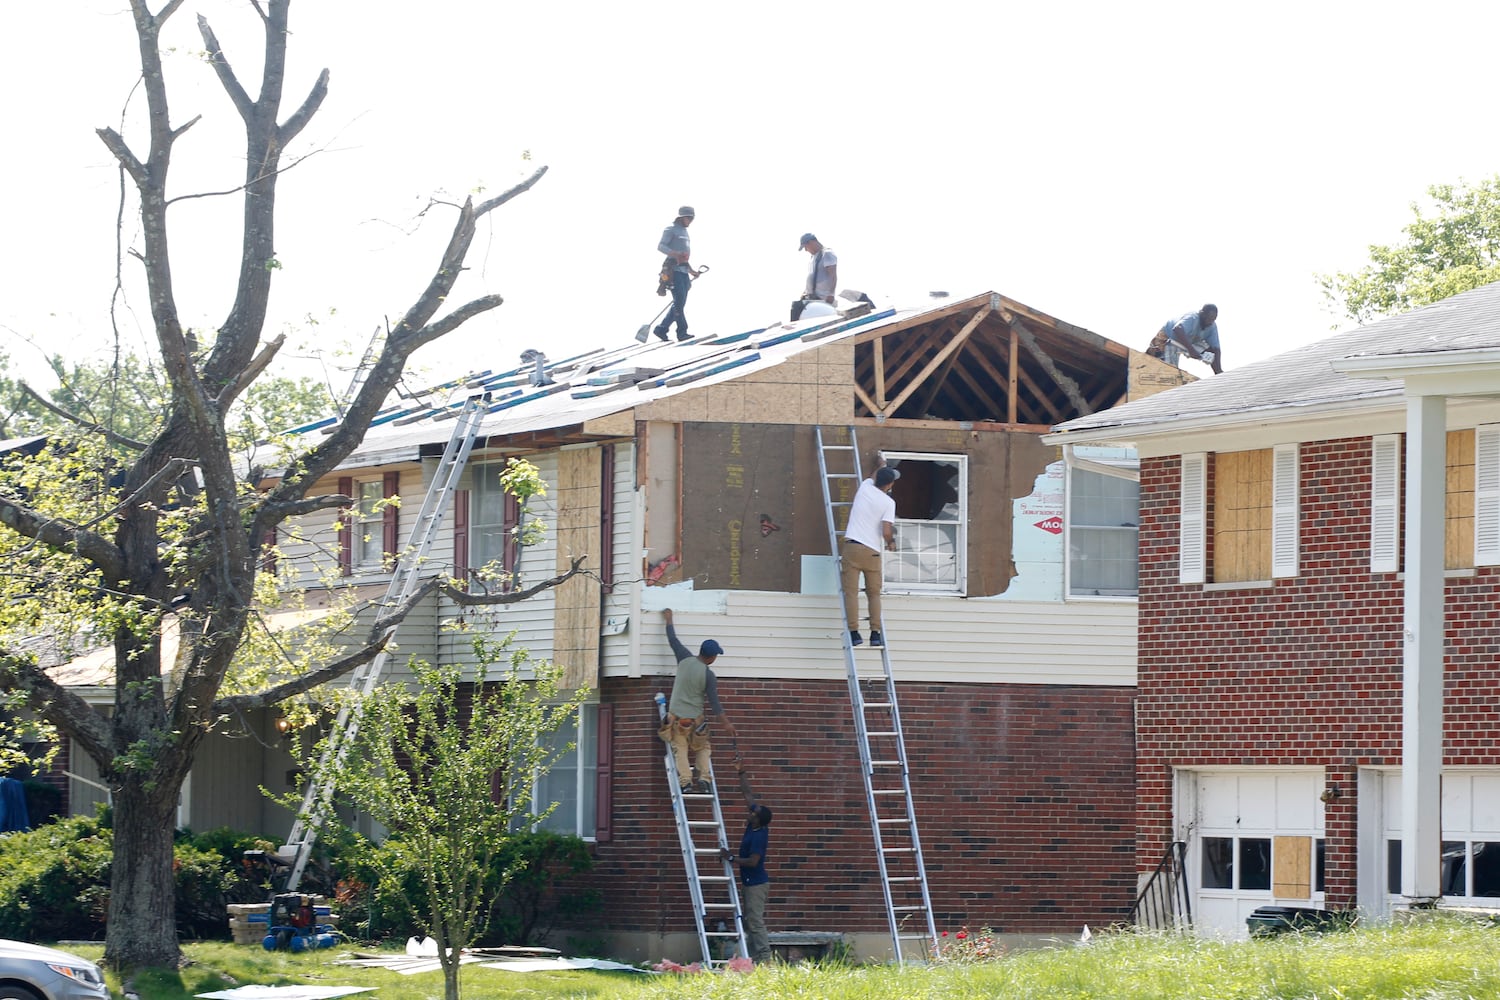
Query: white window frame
x=1286 y=475
x=1192 y=521
x=585 y=769
x=1385 y=503
x=916 y=536
x=1119 y=469
x=367 y=541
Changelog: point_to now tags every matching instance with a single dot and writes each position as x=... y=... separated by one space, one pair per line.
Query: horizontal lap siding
x=1307 y=672
x=1023 y=796
x=942 y=639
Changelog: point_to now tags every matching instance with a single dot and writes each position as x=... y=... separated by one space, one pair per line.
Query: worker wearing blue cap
x=694 y=690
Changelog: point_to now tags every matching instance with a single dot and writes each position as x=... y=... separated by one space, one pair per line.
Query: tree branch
x=486 y=207
x=299 y=119
x=56 y=704
x=514 y=597
x=88 y=425
x=116 y=144
x=283 y=509
x=458 y=317
x=249 y=374
x=224 y=71
x=96 y=549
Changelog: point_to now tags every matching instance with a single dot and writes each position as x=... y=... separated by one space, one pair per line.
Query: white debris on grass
x=285 y=992
x=561 y=964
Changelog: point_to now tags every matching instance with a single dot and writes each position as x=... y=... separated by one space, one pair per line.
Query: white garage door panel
x=1219 y=801
x=1487 y=804
x=1456 y=802
x=1297 y=803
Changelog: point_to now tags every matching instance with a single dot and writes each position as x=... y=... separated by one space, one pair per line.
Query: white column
x=1422 y=661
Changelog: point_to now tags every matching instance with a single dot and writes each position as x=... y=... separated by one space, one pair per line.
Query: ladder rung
x=884 y=763
x=842 y=475
x=838 y=447
x=718 y=906
x=723 y=934
x=898 y=850
x=890 y=733
x=901 y=819
x=914 y=937
x=703 y=822
x=903 y=878
x=887 y=791
x=909 y=909
x=877 y=704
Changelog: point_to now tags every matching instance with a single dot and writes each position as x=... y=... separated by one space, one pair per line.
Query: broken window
x=932 y=519
x=1103 y=528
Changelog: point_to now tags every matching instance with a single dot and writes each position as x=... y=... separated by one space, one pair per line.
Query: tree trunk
x=450 y=977
x=142 y=928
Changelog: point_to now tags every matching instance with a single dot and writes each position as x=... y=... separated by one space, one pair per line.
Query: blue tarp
x=13 y=818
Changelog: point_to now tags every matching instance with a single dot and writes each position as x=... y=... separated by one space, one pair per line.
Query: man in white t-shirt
x=872 y=526
x=822 y=275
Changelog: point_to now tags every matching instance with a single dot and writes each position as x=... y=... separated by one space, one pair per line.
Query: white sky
x=1111 y=164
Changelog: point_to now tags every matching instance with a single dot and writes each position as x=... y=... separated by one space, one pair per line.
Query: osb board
x=1148 y=376
x=1242 y=516
x=575 y=641
x=812 y=387
x=1291 y=867
x=1458 y=525
x=1003 y=467
x=737 y=506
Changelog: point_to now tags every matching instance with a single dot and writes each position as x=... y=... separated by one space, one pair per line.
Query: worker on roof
x=871 y=527
x=1195 y=333
x=694 y=690
x=822 y=275
x=677 y=274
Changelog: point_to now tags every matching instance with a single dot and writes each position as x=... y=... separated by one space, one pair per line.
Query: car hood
x=20 y=949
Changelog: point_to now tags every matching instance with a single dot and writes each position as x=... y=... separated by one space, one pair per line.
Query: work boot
x=661 y=334
x=684 y=336
x=876 y=639
x=855 y=639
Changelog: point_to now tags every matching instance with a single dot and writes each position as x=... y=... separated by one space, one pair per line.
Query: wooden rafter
x=877 y=349
x=1015 y=361
x=1066 y=384
x=1058 y=415
x=992 y=408
x=942 y=355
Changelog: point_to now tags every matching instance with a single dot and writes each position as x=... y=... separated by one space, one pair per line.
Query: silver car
x=31 y=972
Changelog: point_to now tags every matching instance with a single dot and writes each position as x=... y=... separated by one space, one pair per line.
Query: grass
x=1444 y=959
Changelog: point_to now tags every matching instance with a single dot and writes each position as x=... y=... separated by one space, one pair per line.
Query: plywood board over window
x=1458 y=524
x=575 y=642
x=1291 y=867
x=1242 y=516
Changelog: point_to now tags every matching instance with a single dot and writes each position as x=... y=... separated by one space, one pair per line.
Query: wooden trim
x=606 y=567
x=878 y=353
x=922 y=319
x=948 y=425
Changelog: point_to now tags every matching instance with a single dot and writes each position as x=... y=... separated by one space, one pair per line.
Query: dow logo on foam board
x=1052 y=524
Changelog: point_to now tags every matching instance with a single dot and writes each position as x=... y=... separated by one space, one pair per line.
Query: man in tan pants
x=872 y=526
x=694 y=691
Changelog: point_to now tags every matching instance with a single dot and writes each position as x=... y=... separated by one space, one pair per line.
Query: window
x=931 y=524
x=369 y=529
x=1256 y=510
x=1458 y=505
x=1103 y=526
x=493 y=518
x=572 y=781
x=1236 y=863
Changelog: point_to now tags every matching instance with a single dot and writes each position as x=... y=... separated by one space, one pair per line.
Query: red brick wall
x=1306 y=672
x=1022 y=793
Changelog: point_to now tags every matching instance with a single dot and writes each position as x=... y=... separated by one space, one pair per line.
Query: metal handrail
x=1164 y=901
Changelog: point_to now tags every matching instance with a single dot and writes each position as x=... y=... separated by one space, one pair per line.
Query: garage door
x=1257 y=839
x=1471 y=838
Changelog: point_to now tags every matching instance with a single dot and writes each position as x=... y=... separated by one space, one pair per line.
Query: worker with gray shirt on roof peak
x=678 y=248
x=822 y=275
x=694 y=689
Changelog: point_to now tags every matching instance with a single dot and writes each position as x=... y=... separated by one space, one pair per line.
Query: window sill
x=1239 y=585
x=1448 y=574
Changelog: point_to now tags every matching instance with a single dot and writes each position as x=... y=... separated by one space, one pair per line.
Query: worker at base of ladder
x=755 y=882
x=694 y=689
x=872 y=525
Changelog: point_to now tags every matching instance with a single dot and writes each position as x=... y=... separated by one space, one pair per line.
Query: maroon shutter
x=605 y=777
x=346 y=527
x=606 y=567
x=461 y=537
x=268 y=551
x=512 y=550
x=390 y=519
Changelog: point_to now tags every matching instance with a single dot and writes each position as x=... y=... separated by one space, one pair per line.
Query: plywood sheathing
x=575 y=643
x=814 y=387
x=1149 y=375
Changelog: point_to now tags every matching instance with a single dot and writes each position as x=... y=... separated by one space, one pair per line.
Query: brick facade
x=1022 y=794
x=1305 y=672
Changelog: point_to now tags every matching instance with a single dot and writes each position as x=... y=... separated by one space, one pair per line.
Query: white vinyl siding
x=1191 y=533
x=1487 y=495
x=1385 y=503
x=1285 y=469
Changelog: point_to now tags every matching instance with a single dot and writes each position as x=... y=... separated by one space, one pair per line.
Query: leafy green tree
x=113 y=548
x=422 y=762
x=1453 y=248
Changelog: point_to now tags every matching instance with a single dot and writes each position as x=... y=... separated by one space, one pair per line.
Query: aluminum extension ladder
x=404 y=578
x=877 y=726
x=723 y=884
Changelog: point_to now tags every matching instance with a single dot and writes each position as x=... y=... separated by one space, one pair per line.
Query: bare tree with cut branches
x=174 y=529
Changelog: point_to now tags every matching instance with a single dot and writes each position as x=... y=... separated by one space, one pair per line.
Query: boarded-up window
x=1458 y=540
x=1242 y=516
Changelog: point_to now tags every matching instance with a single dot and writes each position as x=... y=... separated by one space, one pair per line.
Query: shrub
x=43 y=801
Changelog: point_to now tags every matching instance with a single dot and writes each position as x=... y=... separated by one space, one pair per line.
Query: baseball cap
x=885 y=475
x=806 y=239
x=710 y=647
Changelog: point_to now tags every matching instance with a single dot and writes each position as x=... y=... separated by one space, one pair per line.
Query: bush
x=43 y=801
x=54 y=881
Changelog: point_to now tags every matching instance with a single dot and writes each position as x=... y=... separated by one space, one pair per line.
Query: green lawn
x=1445 y=959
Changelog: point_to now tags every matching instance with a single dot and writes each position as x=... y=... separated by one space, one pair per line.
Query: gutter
x=1131 y=434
